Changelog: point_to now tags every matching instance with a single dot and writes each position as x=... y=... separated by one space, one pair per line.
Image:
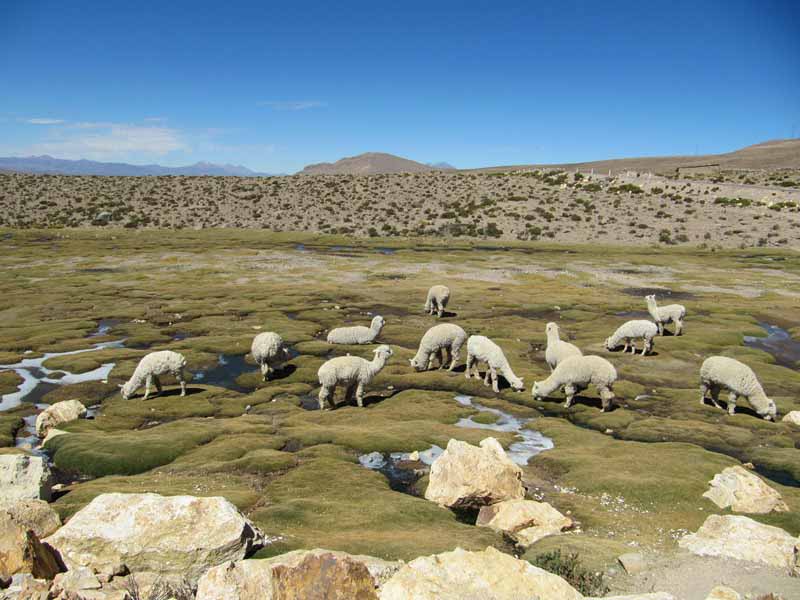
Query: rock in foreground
x=22 y=552
x=488 y=575
x=525 y=521
x=471 y=476
x=743 y=491
x=36 y=515
x=309 y=574
x=181 y=535
x=23 y=477
x=57 y=414
x=743 y=538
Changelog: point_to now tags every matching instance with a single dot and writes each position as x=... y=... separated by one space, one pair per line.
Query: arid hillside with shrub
x=726 y=209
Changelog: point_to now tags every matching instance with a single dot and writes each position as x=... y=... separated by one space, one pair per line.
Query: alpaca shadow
x=174 y=391
x=282 y=373
x=502 y=384
x=618 y=350
x=594 y=402
x=741 y=409
x=448 y=314
x=668 y=333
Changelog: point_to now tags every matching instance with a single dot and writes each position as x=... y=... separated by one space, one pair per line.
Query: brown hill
x=775 y=154
x=370 y=163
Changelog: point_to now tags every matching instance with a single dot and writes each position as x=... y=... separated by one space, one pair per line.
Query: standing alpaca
x=672 y=313
x=438 y=297
x=351 y=371
x=445 y=338
x=148 y=370
x=482 y=349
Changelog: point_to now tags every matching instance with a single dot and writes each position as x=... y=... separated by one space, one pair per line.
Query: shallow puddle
x=404 y=469
x=37 y=379
x=224 y=374
x=660 y=293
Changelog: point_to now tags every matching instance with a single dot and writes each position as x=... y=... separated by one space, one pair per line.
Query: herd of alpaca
x=571 y=370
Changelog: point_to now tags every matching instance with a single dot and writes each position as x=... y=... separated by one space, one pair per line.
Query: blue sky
x=275 y=86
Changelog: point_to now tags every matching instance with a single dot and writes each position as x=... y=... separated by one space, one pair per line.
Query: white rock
x=314 y=573
x=792 y=417
x=170 y=535
x=744 y=491
x=58 y=413
x=526 y=521
x=723 y=593
x=645 y=596
x=23 y=477
x=36 y=515
x=487 y=575
x=472 y=476
x=743 y=538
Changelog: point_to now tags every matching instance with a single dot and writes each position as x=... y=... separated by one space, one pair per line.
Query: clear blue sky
x=275 y=86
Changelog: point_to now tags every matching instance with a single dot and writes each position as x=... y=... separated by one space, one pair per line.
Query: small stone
x=414 y=456
x=633 y=563
x=722 y=592
x=744 y=491
x=609 y=431
x=792 y=417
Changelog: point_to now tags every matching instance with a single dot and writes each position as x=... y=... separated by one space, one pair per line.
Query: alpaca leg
x=469 y=364
x=441 y=356
x=264 y=372
x=488 y=375
x=181 y=380
x=325 y=396
x=495 y=388
x=731 y=403
x=679 y=327
x=715 y=395
x=625 y=349
x=430 y=362
x=648 y=345
x=448 y=354
x=660 y=328
x=158 y=384
x=440 y=312
x=360 y=395
x=633 y=346
x=147 y=383
x=350 y=393
x=569 y=392
x=454 y=352
x=703 y=391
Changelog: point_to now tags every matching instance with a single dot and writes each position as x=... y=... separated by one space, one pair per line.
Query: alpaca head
x=126 y=390
x=607 y=344
x=771 y=412
x=551 y=329
x=378 y=322
x=535 y=390
x=383 y=351
x=516 y=384
x=413 y=362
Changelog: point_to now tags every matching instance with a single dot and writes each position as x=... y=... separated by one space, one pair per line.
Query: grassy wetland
x=631 y=477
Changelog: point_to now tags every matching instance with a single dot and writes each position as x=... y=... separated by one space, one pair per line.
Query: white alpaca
x=629 y=332
x=269 y=352
x=577 y=373
x=438 y=297
x=672 y=313
x=439 y=340
x=358 y=334
x=736 y=377
x=557 y=349
x=482 y=349
x=353 y=372
x=150 y=367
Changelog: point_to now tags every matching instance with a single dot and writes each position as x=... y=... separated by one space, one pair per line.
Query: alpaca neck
x=552 y=337
x=377 y=364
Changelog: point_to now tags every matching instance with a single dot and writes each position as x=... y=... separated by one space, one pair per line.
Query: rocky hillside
x=370 y=163
x=730 y=209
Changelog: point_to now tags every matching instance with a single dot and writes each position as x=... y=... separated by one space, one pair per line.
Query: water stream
x=779 y=343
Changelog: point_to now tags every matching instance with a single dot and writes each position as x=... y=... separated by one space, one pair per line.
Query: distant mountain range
x=48 y=164
x=372 y=163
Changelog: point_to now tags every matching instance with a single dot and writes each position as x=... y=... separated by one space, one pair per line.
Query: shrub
x=664 y=236
x=569 y=568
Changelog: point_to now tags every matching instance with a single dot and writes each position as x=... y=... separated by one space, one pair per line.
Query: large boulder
x=743 y=538
x=22 y=552
x=792 y=417
x=467 y=476
x=181 y=535
x=36 y=515
x=23 y=477
x=488 y=575
x=303 y=574
x=743 y=491
x=525 y=521
x=58 y=413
